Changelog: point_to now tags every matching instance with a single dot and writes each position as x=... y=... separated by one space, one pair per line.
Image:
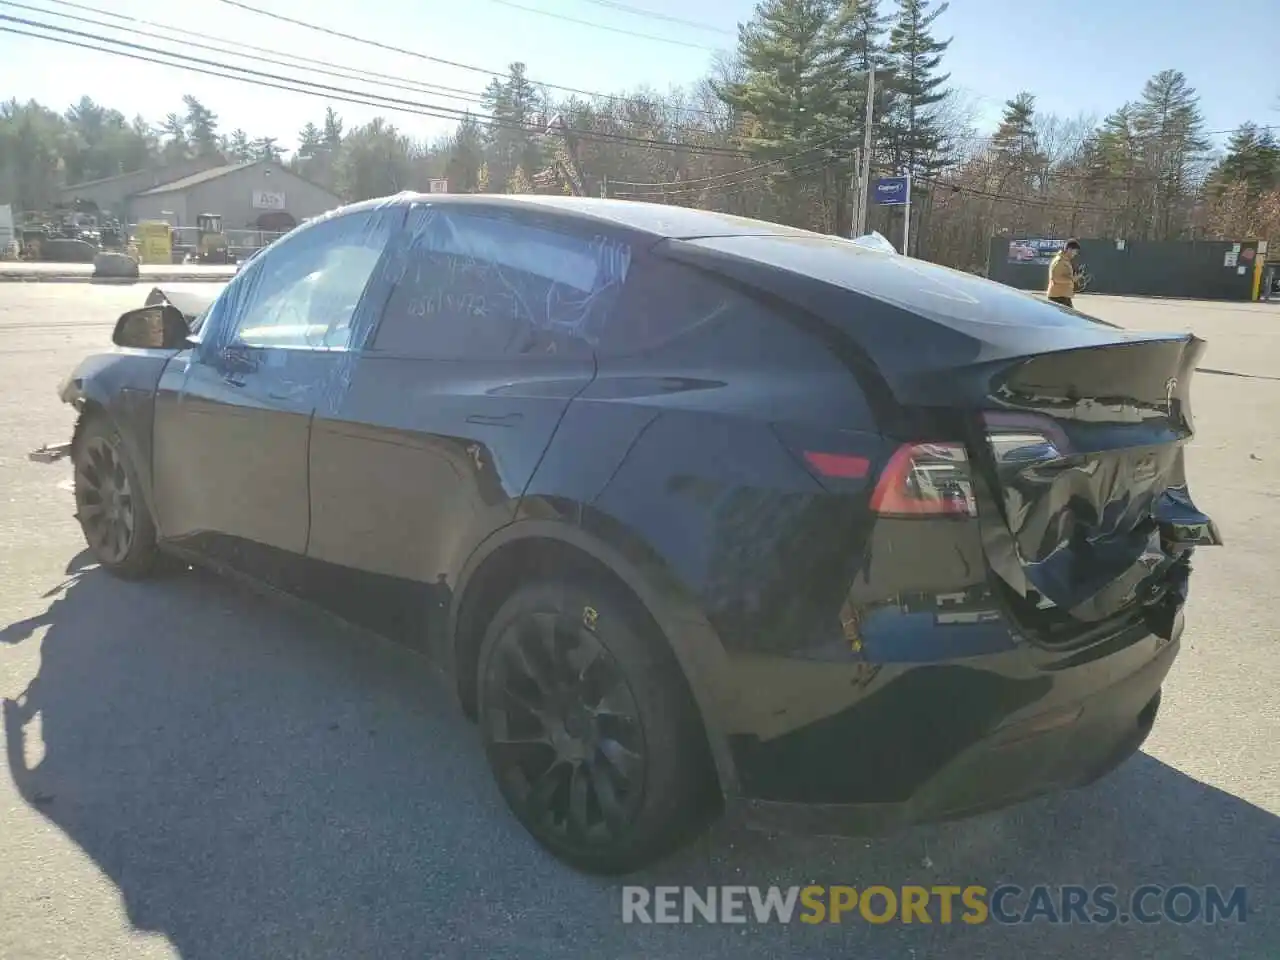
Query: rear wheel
x=589 y=728
x=116 y=523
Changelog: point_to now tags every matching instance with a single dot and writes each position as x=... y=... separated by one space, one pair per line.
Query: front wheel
x=116 y=523
x=589 y=728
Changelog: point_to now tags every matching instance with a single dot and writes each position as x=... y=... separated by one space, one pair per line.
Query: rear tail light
x=926 y=480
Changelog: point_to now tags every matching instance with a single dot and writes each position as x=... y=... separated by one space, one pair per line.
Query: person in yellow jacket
x=1062 y=274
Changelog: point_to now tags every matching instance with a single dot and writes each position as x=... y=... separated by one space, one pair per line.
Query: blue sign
x=891 y=191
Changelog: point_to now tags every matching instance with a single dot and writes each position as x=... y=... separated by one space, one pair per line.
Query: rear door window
x=475 y=285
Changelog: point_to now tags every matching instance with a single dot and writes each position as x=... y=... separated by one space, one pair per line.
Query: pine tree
x=1171 y=127
x=174 y=129
x=1253 y=159
x=514 y=142
x=915 y=56
x=858 y=33
x=792 y=98
x=310 y=140
x=793 y=73
x=1015 y=144
x=466 y=157
x=202 y=127
x=237 y=147
x=332 y=128
x=1018 y=161
x=1114 y=164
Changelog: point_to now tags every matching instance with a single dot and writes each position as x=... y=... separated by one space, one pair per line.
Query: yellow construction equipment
x=213 y=246
x=155 y=241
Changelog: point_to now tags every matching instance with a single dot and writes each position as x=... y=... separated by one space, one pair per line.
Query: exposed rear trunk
x=1082 y=454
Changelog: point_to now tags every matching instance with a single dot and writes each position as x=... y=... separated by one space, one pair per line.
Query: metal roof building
x=257 y=195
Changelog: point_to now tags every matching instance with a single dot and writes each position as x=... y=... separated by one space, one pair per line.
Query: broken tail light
x=926 y=480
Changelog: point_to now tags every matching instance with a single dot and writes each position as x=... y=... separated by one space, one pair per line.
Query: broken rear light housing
x=926 y=480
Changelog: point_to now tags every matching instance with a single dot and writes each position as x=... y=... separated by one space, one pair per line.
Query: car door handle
x=501 y=420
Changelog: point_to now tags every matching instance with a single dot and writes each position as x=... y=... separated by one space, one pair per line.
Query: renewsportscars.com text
x=942 y=904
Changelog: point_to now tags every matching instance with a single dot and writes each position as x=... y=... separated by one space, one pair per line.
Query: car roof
x=658 y=220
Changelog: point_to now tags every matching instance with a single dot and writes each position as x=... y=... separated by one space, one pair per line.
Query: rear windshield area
x=957 y=299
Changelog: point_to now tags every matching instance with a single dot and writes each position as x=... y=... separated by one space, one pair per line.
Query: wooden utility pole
x=857 y=193
x=863 y=202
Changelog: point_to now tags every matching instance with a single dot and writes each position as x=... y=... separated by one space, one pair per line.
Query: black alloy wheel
x=116 y=523
x=105 y=501
x=565 y=732
x=589 y=727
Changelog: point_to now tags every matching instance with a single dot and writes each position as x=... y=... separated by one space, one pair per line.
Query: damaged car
x=699 y=515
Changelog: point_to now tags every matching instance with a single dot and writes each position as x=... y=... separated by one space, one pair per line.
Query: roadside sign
x=439 y=186
x=892 y=191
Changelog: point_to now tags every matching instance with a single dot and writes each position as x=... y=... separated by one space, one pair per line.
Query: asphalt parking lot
x=195 y=772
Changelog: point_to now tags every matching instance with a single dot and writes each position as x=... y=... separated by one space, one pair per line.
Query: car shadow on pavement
x=260 y=782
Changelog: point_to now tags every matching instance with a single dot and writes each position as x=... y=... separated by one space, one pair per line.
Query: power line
x=350 y=73
x=732 y=173
x=432 y=59
x=1039 y=202
x=604 y=26
x=229 y=46
x=342 y=94
x=654 y=15
x=723 y=188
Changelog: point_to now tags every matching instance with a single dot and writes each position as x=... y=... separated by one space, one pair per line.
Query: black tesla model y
x=698 y=513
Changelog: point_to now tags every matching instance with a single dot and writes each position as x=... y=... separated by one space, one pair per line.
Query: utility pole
x=856 y=182
x=865 y=178
x=906 y=221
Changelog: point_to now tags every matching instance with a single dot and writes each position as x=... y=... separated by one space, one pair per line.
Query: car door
x=482 y=344
x=233 y=413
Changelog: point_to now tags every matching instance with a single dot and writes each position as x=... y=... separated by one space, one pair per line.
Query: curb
x=87 y=278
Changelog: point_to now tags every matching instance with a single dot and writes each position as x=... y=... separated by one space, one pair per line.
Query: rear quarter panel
x=688 y=459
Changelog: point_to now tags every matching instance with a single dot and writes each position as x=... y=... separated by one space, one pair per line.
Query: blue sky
x=1085 y=56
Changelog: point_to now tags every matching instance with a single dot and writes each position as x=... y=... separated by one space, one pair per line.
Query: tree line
x=771 y=131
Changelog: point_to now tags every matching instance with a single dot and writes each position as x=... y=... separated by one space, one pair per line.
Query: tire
x=113 y=515
x=598 y=750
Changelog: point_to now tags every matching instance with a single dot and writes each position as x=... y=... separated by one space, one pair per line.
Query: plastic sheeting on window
x=324 y=286
x=494 y=268
x=308 y=284
x=305 y=292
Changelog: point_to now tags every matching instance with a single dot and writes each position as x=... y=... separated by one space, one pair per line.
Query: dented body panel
x=920 y=543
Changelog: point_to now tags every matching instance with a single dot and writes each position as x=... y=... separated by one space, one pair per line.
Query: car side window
x=482 y=285
x=663 y=300
x=305 y=292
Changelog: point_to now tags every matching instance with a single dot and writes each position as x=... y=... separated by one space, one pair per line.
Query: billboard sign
x=1034 y=252
x=892 y=191
x=267 y=200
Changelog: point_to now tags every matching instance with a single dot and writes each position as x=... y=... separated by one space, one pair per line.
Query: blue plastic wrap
x=480 y=283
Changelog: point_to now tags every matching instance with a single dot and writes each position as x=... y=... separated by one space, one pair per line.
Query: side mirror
x=158 y=327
